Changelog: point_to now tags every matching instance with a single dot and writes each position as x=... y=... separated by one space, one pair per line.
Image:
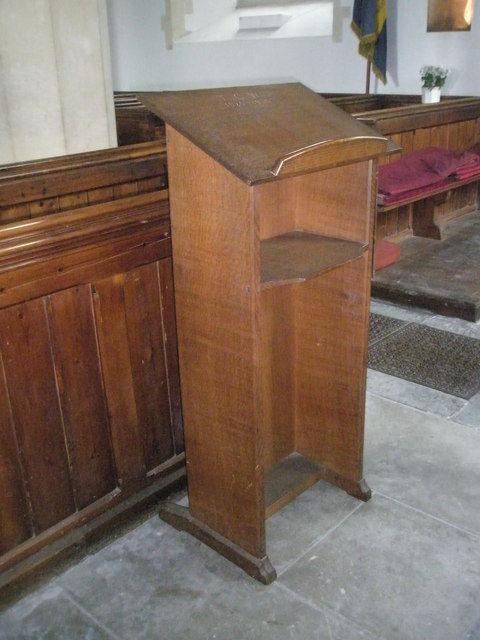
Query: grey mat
x=382 y=326
x=437 y=359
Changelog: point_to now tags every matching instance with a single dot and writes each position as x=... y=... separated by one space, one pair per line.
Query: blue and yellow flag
x=369 y=22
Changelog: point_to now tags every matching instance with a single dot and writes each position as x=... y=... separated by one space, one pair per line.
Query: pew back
x=90 y=408
x=454 y=124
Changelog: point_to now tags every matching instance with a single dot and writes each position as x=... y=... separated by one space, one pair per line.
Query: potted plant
x=433 y=79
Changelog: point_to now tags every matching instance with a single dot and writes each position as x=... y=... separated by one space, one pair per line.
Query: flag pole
x=367 y=84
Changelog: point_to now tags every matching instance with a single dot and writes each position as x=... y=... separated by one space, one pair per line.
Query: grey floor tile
x=293 y=529
x=154 y=579
x=409 y=314
x=470 y=414
x=310 y=516
x=413 y=395
x=396 y=573
x=474 y=633
x=159 y=583
x=276 y=613
x=49 y=615
x=340 y=629
x=424 y=461
x=455 y=325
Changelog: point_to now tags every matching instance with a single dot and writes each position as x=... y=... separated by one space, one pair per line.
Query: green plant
x=433 y=76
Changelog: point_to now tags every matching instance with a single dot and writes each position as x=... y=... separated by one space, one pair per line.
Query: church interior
x=240 y=319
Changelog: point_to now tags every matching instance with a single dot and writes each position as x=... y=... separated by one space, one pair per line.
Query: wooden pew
x=134 y=122
x=38 y=188
x=91 y=426
x=454 y=124
x=424 y=219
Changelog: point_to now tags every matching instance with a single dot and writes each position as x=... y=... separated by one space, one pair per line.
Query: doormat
x=382 y=326
x=433 y=358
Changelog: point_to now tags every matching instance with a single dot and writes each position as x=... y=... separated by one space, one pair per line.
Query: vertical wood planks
x=15 y=525
x=144 y=322
x=25 y=344
x=89 y=384
x=135 y=319
x=118 y=378
x=169 y=326
x=89 y=392
x=81 y=393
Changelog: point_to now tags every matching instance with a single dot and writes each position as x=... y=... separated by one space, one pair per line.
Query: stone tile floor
x=404 y=565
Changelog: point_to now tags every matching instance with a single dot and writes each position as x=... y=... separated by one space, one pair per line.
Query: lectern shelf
x=298 y=256
x=272 y=194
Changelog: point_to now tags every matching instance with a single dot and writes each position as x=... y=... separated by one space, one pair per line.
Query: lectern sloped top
x=264 y=132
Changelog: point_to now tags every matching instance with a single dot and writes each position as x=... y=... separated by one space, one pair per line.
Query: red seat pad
x=385 y=253
x=389 y=200
x=425 y=170
x=415 y=170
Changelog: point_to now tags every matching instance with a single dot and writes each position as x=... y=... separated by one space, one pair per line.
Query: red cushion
x=419 y=169
x=385 y=253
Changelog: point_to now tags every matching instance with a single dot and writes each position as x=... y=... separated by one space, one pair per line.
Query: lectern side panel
x=333 y=203
x=275 y=208
x=277 y=389
x=331 y=315
x=215 y=268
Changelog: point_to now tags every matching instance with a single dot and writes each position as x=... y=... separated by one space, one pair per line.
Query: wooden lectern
x=272 y=195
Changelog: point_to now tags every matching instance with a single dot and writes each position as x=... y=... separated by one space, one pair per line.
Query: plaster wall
x=141 y=60
x=55 y=79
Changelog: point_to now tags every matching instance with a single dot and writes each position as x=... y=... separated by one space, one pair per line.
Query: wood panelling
x=114 y=347
x=149 y=371
x=39 y=188
x=457 y=136
x=87 y=398
x=90 y=412
x=169 y=328
x=29 y=372
x=79 y=376
x=15 y=520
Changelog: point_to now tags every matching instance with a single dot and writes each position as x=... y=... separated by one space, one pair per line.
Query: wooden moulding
x=69 y=248
x=37 y=180
x=417 y=116
x=87 y=221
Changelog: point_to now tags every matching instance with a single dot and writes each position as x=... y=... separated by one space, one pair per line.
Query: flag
x=369 y=22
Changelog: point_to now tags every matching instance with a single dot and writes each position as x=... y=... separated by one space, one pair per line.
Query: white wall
x=55 y=81
x=413 y=47
x=141 y=61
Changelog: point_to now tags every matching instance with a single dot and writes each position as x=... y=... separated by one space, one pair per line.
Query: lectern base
x=359 y=490
x=179 y=517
